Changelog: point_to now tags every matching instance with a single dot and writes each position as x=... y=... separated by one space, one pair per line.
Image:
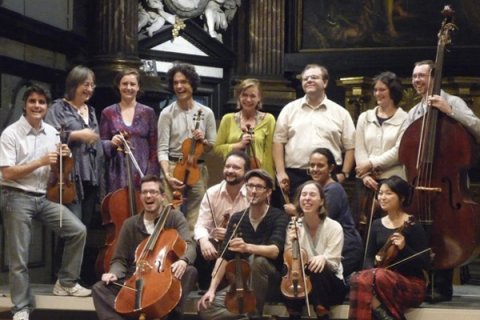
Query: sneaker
x=21 y=315
x=76 y=291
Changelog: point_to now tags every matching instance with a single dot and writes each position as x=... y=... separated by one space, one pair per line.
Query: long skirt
x=395 y=291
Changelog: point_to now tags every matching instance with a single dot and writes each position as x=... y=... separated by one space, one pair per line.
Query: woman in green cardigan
x=249 y=129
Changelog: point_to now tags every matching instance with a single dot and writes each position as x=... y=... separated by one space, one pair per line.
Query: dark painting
x=328 y=24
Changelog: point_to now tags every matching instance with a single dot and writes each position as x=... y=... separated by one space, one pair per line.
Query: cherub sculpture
x=152 y=16
x=218 y=13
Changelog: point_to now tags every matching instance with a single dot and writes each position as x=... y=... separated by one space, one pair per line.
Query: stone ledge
x=463 y=307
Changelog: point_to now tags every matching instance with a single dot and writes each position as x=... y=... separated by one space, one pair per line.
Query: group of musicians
x=278 y=226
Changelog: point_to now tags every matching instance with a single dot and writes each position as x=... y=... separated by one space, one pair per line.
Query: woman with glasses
x=377 y=139
x=321 y=169
x=132 y=121
x=322 y=239
x=249 y=129
x=82 y=134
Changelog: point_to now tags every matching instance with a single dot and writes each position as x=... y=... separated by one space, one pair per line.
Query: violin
x=60 y=187
x=117 y=207
x=187 y=169
x=296 y=284
x=239 y=299
x=254 y=161
x=387 y=254
x=153 y=290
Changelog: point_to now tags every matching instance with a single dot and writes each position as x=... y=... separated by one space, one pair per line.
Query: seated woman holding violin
x=397 y=255
x=321 y=239
x=321 y=167
x=151 y=272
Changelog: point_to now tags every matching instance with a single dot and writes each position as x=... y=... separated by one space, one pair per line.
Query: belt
x=30 y=193
x=175 y=159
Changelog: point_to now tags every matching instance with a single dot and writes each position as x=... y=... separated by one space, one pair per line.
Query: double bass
x=437 y=152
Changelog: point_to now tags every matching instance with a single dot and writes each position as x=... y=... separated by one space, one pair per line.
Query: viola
x=254 y=161
x=153 y=291
x=117 y=207
x=187 y=169
x=295 y=284
x=437 y=152
x=60 y=187
x=387 y=254
x=240 y=298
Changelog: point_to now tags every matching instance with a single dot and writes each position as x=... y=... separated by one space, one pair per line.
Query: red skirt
x=395 y=291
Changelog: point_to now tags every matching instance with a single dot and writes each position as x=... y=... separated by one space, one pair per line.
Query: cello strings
x=123 y=286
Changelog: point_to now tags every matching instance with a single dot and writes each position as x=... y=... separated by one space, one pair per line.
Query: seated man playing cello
x=125 y=264
x=260 y=238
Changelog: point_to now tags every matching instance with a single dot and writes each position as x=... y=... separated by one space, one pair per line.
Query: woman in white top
x=322 y=239
x=377 y=139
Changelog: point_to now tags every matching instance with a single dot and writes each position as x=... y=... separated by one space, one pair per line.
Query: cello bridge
x=420 y=188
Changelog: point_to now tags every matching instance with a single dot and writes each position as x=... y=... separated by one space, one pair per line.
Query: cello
x=116 y=207
x=437 y=152
x=153 y=290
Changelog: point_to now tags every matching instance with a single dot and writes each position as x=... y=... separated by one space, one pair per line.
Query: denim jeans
x=19 y=209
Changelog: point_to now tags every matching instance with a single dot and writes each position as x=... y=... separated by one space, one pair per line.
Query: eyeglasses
x=313 y=77
x=152 y=192
x=89 y=84
x=259 y=187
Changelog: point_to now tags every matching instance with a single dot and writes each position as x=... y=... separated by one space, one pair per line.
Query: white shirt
x=220 y=203
x=20 y=144
x=302 y=128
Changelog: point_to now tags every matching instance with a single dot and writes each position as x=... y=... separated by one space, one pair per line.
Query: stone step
x=465 y=305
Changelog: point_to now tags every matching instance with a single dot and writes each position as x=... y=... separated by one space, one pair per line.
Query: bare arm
x=20 y=171
x=278 y=152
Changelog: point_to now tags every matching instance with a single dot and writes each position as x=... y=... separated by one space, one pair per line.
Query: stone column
x=116 y=38
x=265 y=46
